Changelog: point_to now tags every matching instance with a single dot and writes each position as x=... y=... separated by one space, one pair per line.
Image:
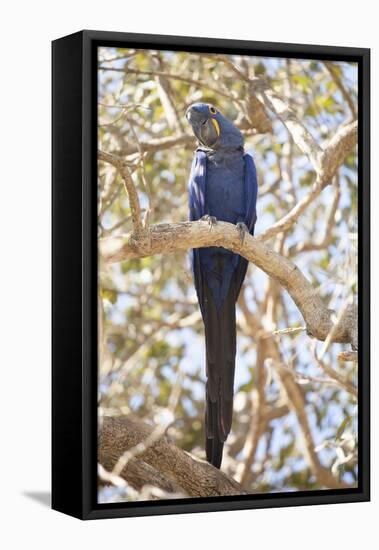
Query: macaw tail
x=220 y=342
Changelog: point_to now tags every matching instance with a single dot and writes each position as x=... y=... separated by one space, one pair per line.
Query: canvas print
x=227 y=275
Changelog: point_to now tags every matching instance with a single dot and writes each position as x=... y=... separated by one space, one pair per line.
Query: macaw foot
x=242 y=230
x=210 y=219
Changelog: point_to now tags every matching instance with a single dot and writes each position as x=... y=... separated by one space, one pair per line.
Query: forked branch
x=169 y=238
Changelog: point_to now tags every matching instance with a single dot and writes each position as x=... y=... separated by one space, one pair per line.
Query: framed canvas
x=210 y=275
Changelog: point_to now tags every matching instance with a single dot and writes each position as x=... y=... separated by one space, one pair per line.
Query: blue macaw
x=222 y=186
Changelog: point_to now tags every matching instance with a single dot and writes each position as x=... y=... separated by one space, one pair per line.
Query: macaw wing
x=197 y=184
x=251 y=191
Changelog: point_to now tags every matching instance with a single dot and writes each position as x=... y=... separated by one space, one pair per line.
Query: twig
x=297 y=404
x=345 y=94
x=328 y=234
x=198 y=83
x=236 y=70
x=289 y=330
x=346 y=356
x=258 y=421
x=340 y=380
x=158 y=144
x=141 y=162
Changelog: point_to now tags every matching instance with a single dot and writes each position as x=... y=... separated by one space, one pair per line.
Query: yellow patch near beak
x=216 y=125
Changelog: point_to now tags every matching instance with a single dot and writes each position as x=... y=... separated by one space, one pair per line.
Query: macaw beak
x=205 y=128
x=196 y=119
x=194 y=116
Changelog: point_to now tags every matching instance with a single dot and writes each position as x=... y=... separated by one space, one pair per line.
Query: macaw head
x=211 y=128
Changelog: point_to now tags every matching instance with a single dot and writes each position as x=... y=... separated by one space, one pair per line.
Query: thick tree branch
x=337 y=150
x=137 y=474
x=164 y=463
x=168 y=238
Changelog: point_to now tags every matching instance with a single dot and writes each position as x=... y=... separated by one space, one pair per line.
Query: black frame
x=74 y=272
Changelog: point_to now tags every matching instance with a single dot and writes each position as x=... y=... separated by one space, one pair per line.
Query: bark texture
x=162 y=464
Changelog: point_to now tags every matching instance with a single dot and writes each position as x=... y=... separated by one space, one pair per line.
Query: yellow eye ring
x=212 y=110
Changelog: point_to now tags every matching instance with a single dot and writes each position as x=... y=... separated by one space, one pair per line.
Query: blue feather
x=227 y=191
x=223 y=184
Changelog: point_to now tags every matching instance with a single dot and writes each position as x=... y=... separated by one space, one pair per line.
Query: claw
x=242 y=230
x=210 y=219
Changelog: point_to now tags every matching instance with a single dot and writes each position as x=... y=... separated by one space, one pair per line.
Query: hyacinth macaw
x=222 y=186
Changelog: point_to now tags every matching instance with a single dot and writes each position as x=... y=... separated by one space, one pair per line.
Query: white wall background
x=26 y=31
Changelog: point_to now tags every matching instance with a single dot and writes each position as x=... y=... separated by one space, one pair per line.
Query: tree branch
x=331 y=159
x=258 y=420
x=167 y=465
x=158 y=144
x=338 y=81
x=137 y=474
x=198 y=83
x=276 y=104
x=297 y=404
x=168 y=238
x=123 y=169
x=324 y=161
x=337 y=150
x=154 y=145
x=328 y=233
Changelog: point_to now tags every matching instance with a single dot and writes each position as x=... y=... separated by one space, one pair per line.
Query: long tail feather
x=220 y=341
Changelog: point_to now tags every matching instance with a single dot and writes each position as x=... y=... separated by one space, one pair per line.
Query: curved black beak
x=203 y=127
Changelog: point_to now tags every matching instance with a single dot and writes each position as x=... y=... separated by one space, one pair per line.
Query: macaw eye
x=212 y=110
